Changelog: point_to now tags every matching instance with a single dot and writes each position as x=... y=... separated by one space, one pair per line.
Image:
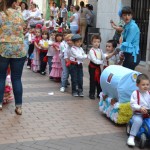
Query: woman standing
x=74 y=20
x=12 y=51
x=54 y=11
x=70 y=13
x=62 y=13
x=25 y=11
x=131 y=39
x=83 y=20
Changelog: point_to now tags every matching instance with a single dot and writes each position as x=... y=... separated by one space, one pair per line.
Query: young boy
x=112 y=57
x=96 y=59
x=77 y=57
x=140 y=102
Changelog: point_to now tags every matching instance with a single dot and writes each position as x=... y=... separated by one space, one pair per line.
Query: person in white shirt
x=74 y=20
x=54 y=11
x=25 y=11
x=65 y=73
x=112 y=56
x=140 y=102
x=96 y=59
x=64 y=24
x=43 y=45
x=34 y=15
x=77 y=56
x=51 y=24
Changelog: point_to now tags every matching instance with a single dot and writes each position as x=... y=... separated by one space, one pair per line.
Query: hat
x=76 y=37
x=39 y=26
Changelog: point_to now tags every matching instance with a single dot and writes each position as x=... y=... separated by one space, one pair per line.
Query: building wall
x=107 y=10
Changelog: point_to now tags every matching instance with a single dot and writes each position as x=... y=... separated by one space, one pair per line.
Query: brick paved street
x=59 y=121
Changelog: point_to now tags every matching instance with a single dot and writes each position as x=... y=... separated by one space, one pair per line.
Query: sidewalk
x=53 y=120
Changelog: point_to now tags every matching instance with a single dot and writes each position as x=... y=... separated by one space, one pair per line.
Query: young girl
x=36 y=52
x=51 y=51
x=43 y=44
x=140 y=102
x=56 y=67
x=77 y=55
x=96 y=59
x=111 y=56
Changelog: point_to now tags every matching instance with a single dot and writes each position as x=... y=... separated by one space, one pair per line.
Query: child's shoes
x=130 y=141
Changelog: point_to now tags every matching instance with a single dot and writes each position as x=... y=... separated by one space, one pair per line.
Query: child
x=65 y=71
x=44 y=44
x=77 y=55
x=96 y=59
x=56 y=67
x=31 y=45
x=51 y=50
x=36 y=52
x=111 y=56
x=51 y=24
x=64 y=25
x=140 y=102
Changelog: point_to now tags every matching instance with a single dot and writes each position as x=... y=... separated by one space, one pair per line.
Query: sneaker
x=75 y=94
x=28 y=67
x=18 y=111
x=130 y=141
x=81 y=94
x=62 y=89
x=43 y=73
x=0 y=106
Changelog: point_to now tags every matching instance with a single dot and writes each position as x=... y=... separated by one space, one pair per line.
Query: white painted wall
x=107 y=10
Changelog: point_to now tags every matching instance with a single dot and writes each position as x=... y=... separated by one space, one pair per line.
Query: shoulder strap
x=94 y=52
x=138 y=97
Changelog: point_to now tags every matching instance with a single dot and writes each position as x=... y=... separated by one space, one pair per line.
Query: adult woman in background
x=25 y=11
x=62 y=13
x=74 y=20
x=54 y=11
x=83 y=20
x=70 y=13
x=131 y=39
x=12 y=50
x=35 y=15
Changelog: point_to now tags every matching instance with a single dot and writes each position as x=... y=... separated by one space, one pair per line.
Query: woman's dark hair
x=26 y=5
x=113 y=42
x=9 y=3
x=141 y=77
x=77 y=8
x=54 y=3
x=34 y=5
x=96 y=37
x=3 y=6
x=82 y=4
x=126 y=10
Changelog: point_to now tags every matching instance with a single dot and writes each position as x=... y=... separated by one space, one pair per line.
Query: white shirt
x=77 y=54
x=54 y=11
x=25 y=14
x=51 y=49
x=35 y=14
x=31 y=37
x=44 y=43
x=75 y=19
x=51 y=23
x=67 y=52
x=144 y=100
x=63 y=47
x=96 y=56
x=114 y=60
x=63 y=12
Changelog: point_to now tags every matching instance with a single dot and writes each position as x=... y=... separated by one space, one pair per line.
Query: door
x=141 y=9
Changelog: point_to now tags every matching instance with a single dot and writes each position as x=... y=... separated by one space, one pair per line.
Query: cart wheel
x=128 y=128
x=142 y=141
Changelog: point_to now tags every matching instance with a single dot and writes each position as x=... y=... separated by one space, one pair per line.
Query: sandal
x=18 y=111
